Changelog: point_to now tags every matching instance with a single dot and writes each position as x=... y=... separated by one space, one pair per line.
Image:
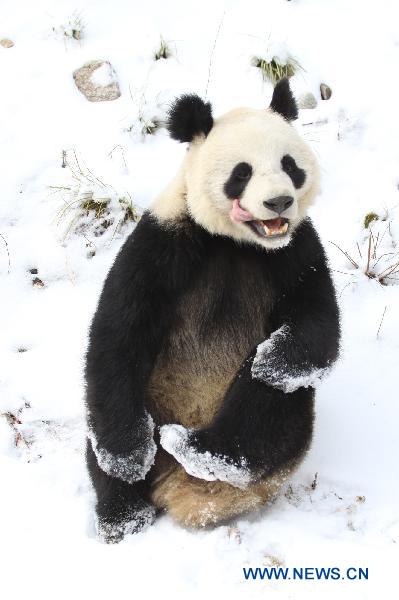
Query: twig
x=212 y=52
x=344 y=272
x=377 y=243
x=94 y=177
x=320 y=122
x=387 y=228
x=369 y=253
x=345 y=286
x=383 y=256
x=346 y=254
x=382 y=318
x=122 y=152
x=389 y=271
x=8 y=253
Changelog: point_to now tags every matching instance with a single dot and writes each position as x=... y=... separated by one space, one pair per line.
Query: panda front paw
x=272 y=366
x=183 y=444
x=116 y=520
x=131 y=465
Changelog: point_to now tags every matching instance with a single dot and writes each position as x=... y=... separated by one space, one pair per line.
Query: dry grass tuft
x=149 y=126
x=378 y=257
x=148 y=119
x=14 y=420
x=73 y=30
x=273 y=70
x=369 y=218
x=89 y=205
x=163 y=51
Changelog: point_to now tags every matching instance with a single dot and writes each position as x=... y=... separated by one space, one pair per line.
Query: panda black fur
x=210 y=330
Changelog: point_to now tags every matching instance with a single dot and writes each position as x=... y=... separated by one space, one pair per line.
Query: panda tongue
x=239 y=214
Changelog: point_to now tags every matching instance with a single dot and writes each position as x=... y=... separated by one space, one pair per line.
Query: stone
x=6 y=43
x=307 y=101
x=36 y=282
x=325 y=91
x=96 y=80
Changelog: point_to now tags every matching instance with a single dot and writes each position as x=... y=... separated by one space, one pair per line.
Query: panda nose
x=279 y=204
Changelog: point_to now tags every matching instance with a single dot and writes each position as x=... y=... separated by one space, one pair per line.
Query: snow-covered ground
x=349 y=516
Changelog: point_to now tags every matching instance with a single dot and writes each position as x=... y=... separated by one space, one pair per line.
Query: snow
x=103 y=75
x=175 y=440
x=281 y=375
x=48 y=542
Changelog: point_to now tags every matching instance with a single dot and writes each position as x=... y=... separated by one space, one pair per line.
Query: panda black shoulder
x=157 y=256
x=152 y=235
x=307 y=242
x=305 y=252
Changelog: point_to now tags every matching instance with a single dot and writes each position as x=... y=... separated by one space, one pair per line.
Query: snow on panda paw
x=272 y=365
x=114 y=522
x=133 y=465
x=185 y=446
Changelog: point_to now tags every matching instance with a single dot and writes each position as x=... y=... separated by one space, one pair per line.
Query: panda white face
x=248 y=175
x=252 y=178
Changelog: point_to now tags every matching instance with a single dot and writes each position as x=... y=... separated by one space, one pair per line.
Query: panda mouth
x=277 y=227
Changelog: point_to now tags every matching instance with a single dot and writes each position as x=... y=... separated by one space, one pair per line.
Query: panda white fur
x=214 y=323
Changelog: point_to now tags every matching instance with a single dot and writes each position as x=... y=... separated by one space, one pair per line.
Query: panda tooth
x=284 y=228
x=267 y=230
x=280 y=231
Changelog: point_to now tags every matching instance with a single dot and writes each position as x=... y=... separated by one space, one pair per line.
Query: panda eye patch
x=296 y=174
x=239 y=177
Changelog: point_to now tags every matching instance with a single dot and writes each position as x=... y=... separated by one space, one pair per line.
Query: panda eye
x=242 y=171
x=290 y=167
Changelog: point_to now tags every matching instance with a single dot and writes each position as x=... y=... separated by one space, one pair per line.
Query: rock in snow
x=325 y=91
x=97 y=81
x=6 y=43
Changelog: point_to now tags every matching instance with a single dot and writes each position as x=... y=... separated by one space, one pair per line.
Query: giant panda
x=215 y=322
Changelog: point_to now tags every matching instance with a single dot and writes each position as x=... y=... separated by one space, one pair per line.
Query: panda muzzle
x=264 y=228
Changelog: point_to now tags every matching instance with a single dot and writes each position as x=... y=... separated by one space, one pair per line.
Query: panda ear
x=283 y=101
x=189 y=116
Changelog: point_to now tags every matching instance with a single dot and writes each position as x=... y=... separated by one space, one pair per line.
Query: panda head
x=247 y=175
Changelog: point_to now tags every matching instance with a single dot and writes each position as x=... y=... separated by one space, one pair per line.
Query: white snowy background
x=349 y=517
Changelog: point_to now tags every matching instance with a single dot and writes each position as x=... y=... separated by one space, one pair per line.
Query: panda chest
x=218 y=321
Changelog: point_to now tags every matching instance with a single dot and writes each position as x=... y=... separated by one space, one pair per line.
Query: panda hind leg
x=121 y=508
x=195 y=503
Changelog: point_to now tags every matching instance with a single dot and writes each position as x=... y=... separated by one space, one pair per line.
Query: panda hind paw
x=113 y=525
